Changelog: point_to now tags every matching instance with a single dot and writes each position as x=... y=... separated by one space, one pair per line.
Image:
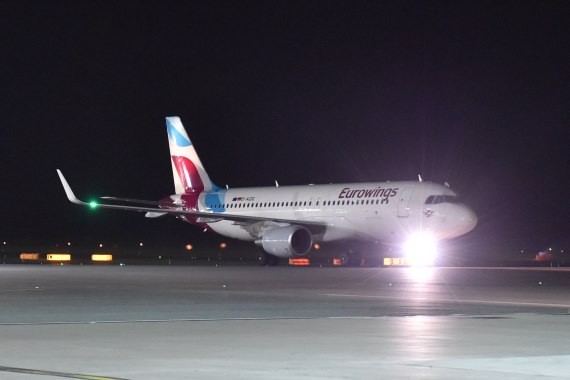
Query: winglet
x=72 y=198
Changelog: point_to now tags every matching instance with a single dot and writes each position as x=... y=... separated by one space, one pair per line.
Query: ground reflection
x=424 y=338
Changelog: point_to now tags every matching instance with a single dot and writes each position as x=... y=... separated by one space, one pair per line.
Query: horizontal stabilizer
x=154 y=214
x=202 y=219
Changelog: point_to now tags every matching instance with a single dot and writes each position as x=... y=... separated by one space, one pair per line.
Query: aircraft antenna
x=420 y=178
x=276 y=183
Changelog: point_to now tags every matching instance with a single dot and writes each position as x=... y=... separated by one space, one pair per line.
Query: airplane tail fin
x=187 y=169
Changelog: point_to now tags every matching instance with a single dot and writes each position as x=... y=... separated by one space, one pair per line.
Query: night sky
x=473 y=93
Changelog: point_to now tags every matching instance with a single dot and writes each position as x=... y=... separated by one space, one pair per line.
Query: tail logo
x=176 y=136
x=188 y=174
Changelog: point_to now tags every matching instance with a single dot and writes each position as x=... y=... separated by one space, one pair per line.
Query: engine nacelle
x=285 y=242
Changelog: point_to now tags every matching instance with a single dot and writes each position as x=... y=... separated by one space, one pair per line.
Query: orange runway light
x=101 y=257
x=299 y=262
x=58 y=257
x=29 y=256
x=337 y=262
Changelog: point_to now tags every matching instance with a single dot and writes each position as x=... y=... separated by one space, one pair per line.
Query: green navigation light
x=93 y=204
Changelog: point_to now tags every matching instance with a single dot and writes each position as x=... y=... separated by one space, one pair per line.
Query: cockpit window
x=435 y=199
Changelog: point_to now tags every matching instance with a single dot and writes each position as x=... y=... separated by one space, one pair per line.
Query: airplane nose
x=467 y=220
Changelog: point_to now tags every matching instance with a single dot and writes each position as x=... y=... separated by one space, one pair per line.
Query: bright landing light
x=420 y=249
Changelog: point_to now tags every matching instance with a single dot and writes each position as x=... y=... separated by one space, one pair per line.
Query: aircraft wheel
x=373 y=261
x=345 y=259
x=274 y=261
x=267 y=260
x=350 y=259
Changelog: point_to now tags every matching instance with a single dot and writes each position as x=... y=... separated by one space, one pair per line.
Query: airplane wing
x=205 y=217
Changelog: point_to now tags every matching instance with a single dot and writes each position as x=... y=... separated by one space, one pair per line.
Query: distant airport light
x=68 y=243
x=101 y=257
x=189 y=247
x=223 y=245
x=58 y=257
x=141 y=244
x=543 y=256
x=100 y=245
x=29 y=256
x=317 y=246
x=403 y=261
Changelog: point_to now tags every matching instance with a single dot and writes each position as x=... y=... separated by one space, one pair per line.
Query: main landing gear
x=267 y=260
x=351 y=258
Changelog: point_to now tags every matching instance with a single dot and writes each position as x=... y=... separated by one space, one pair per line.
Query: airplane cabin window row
x=296 y=204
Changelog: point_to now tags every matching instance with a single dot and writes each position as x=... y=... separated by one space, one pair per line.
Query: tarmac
x=243 y=322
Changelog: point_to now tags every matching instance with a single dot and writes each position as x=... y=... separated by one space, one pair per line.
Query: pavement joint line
x=181 y=320
x=40 y=372
x=451 y=300
x=490 y=371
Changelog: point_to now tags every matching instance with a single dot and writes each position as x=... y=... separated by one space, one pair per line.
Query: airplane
x=285 y=221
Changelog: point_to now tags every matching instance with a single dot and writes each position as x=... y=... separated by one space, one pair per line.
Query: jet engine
x=285 y=242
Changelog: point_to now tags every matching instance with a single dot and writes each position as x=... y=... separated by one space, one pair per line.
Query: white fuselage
x=376 y=211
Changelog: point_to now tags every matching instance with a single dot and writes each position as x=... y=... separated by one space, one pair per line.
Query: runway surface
x=240 y=322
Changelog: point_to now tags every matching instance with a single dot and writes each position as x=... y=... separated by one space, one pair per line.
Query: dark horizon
x=473 y=94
